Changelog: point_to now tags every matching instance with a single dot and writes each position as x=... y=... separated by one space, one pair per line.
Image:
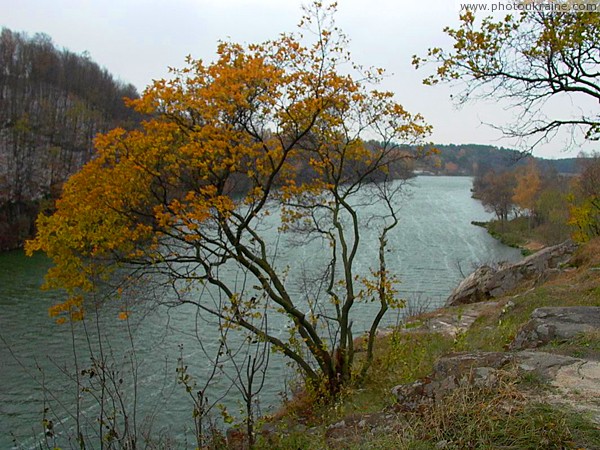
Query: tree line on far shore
x=541 y=203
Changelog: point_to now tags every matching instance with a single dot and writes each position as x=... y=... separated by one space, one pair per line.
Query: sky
x=137 y=40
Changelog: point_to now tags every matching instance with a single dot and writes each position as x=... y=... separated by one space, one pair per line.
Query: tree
x=266 y=126
x=495 y=190
x=526 y=59
x=48 y=118
x=584 y=213
x=527 y=188
x=552 y=213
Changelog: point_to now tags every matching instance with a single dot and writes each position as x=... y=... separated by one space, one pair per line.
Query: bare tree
x=528 y=59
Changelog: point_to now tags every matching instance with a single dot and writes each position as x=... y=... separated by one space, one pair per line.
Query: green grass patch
x=519 y=231
x=472 y=422
x=586 y=345
x=514 y=233
x=468 y=418
x=400 y=358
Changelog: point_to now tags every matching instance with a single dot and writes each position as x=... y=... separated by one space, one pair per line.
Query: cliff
x=52 y=104
x=489 y=282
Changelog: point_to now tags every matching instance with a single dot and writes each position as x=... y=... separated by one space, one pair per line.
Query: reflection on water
x=432 y=244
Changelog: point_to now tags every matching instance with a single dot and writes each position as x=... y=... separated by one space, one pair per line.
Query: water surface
x=433 y=243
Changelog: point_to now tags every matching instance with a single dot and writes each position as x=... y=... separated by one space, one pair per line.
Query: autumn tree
x=527 y=59
x=278 y=127
x=527 y=187
x=552 y=213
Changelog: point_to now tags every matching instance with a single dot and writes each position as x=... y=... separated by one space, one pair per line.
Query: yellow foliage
x=585 y=219
x=524 y=58
x=584 y=200
x=72 y=308
x=272 y=122
x=528 y=186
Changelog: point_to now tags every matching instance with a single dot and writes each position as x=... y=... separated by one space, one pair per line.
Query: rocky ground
x=520 y=336
x=567 y=380
x=570 y=381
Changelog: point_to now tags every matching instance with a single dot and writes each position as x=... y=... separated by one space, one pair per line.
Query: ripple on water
x=433 y=239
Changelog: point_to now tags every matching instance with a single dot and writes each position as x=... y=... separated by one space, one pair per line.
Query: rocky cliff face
x=52 y=104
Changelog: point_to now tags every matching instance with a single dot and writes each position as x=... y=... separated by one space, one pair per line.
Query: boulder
x=450 y=372
x=556 y=323
x=410 y=396
x=490 y=282
x=545 y=365
x=473 y=288
x=460 y=364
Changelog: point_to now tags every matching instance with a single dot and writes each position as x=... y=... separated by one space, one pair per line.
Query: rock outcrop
x=544 y=365
x=577 y=380
x=450 y=372
x=489 y=282
x=549 y=324
x=481 y=369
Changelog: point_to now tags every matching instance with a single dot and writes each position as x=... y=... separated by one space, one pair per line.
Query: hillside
x=475 y=159
x=52 y=104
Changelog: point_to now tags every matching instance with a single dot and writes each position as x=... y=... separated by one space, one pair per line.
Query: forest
x=52 y=104
x=477 y=159
x=534 y=201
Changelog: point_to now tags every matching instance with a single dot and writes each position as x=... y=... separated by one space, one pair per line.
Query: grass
x=586 y=345
x=518 y=232
x=469 y=418
x=503 y=417
x=513 y=233
x=492 y=419
x=400 y=358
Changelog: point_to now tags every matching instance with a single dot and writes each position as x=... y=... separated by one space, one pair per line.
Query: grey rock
x=411 y=395
x=341 y=424
x=485 y=377
x=473 y=288
x=556 y=323
x=450 y=372
x=489 y=282
x=461 y=364
x=545 y=365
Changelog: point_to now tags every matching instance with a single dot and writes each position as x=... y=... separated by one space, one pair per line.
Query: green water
x=433 y=240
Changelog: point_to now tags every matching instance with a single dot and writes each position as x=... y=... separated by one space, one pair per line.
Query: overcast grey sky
x=137 y=40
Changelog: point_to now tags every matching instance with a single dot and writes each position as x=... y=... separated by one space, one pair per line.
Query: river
x=433 y=243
